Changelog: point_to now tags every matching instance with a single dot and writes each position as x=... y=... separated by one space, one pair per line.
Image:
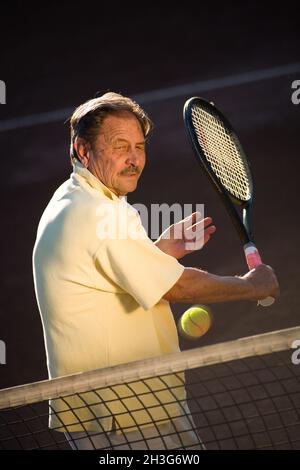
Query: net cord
x=266 y=343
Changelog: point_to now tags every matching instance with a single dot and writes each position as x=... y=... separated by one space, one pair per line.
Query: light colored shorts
x=178 y=433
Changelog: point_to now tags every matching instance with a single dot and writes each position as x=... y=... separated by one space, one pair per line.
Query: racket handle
x=253 y=260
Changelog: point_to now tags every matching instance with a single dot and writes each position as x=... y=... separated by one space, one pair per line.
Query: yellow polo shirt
x=99 y=288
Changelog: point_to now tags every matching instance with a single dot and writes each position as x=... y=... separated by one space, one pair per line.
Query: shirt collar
x=92 y=180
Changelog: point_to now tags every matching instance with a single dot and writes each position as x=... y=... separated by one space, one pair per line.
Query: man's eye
x=120 y=147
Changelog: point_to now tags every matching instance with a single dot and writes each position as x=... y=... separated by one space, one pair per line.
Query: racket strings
x=222 y=152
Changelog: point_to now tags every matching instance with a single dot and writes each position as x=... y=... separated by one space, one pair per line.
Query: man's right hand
x=200 y=287
x=263 y=281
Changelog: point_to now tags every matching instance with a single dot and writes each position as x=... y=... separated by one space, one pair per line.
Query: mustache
x=131 y=170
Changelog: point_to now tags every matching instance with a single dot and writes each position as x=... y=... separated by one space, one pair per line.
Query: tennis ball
x=195 y=322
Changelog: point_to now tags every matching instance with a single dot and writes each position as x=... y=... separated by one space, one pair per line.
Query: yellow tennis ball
x=195 y=322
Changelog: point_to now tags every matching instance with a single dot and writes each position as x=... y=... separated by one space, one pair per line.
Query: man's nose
x=133 y=157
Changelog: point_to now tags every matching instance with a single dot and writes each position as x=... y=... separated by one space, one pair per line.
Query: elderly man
x=104 y=300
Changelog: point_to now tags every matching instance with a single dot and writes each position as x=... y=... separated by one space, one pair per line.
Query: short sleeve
x=138 y=267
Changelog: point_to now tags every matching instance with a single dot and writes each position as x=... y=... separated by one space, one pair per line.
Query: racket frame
x=242 y=225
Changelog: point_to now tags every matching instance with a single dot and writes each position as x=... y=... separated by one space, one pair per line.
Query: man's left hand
x=186 y=236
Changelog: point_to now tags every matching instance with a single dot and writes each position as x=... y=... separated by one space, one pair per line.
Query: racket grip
x=253 y=260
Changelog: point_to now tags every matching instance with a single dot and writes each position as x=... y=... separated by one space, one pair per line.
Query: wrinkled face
x=117 y=157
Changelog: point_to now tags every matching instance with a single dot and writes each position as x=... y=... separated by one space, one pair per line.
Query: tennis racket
x=221 y=155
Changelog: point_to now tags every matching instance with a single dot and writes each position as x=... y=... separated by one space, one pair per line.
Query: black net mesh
x=251 y=403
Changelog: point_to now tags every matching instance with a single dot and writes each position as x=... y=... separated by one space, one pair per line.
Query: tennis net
x=241 y=394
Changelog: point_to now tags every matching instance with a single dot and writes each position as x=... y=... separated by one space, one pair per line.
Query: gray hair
x=87 y=119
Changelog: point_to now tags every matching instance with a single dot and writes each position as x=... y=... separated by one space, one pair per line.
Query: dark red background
x=57 y=55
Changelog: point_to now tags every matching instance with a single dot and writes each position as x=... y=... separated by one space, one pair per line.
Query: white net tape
x=242 y=394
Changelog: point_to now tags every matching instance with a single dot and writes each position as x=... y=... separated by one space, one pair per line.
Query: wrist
x=249 y=286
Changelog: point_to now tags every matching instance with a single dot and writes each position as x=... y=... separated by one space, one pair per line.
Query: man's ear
x=82 y=149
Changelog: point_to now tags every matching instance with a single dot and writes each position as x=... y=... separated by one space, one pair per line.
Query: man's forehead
x=121 y=122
